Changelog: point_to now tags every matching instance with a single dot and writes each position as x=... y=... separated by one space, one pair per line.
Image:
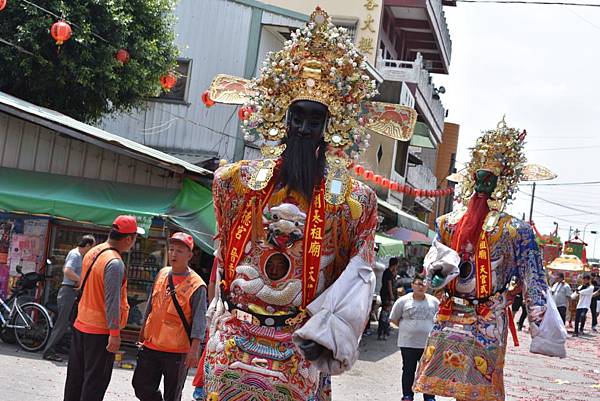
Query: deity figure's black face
x=485 y=182
x=304 y=157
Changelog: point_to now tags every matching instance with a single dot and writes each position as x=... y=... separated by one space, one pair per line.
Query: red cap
x=127 y=225
x=185 y=238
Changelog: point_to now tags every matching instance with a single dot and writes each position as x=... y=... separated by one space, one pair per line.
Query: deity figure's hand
x=311 y=350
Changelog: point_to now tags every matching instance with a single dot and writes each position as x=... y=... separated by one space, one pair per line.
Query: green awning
x=389 y=247
x=99 y=202
x=193 y=210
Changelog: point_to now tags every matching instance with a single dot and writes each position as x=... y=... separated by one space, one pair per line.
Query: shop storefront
x=61 y=179
x=45 y=215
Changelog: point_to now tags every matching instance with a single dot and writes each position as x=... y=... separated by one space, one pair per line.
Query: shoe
x=429 y=399
x=407 y=398
x=594 y=329
x=52 y=357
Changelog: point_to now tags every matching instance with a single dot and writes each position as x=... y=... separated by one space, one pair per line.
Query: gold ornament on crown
x=500 y=151
x=320 y=63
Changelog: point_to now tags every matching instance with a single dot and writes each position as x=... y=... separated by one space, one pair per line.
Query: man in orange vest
x=102 y=313
x=174 y=326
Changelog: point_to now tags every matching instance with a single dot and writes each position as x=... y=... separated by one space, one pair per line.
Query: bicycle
x=27 y=323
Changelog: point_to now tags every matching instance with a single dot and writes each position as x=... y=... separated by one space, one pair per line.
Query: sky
x=539 y=66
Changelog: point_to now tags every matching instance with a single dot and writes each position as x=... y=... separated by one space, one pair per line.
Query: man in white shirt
x=585 y=292
x=561 y=291
x=413 y=314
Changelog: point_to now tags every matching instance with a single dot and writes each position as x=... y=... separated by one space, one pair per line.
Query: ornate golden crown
x=500 y=151
x=319 y=63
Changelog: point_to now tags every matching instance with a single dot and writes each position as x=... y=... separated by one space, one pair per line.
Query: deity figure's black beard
x=302 y=169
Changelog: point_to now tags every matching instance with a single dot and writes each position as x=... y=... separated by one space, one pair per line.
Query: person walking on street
x=585 y=292
x=561 y=292
x=413 y=314
x=518 y=303
x=387 y=282
x=102 y=313
x=174 y=326
x=67 y=295
x=595 y=299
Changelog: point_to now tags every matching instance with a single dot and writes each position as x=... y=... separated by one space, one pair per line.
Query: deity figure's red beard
x=470 y=225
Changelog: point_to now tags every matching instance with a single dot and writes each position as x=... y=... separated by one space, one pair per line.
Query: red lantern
x=122 y=56
x=418 y=193
x=61 y=32
x=168 y=81
x=208 y=102
x=368 y=174
x=2 y=4
x=385 y=182
x=359 y=170
x=377 y=178
x=394 y=186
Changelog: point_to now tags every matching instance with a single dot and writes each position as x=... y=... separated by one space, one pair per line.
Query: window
x=401 y=157
x=179 y=92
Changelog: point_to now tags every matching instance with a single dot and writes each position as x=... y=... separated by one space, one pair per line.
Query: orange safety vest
x=163 y=329
x=91 y=316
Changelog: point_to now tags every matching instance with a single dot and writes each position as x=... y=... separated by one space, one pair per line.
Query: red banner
x=241 y=230
x=313 y=246
x=483 y=267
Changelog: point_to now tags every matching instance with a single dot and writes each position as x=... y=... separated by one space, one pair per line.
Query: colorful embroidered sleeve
x=364 y=244
x=531 y=271
x=546 y=328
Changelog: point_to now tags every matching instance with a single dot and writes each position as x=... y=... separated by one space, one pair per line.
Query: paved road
x=375 y=377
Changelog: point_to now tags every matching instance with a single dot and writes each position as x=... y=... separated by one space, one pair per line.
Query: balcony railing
x=439 y=19
x=415 y=72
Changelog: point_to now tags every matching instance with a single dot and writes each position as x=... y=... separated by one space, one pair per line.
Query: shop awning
x=193 y=210
x=99 y=202
x=402 y=234
x=389 y=247
x=405 y=220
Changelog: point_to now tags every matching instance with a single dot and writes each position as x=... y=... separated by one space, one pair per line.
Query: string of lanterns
x=61 y=32
x=369 y=175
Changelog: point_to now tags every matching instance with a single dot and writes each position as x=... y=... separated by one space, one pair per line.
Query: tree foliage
x=82 y=78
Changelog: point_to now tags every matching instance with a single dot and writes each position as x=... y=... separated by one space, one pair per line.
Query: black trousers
x=519 y=304
x=90 y=367
x=594 y=310
x=65 y=300
x=580 y=319
x=151 y=367
x=410 y=358
x=563 y=312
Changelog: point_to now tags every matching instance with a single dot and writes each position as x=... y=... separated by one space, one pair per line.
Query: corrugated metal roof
x=73 y=128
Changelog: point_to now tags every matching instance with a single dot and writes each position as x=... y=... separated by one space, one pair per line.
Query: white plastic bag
x=552 y=334
x=441 y=260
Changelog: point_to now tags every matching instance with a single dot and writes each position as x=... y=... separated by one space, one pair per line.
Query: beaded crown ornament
x=500 y=151
x=320 y=63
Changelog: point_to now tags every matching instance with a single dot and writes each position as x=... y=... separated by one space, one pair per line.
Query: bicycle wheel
x=33 y=326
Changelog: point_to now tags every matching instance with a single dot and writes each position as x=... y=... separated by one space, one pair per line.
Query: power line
x=561 y=205
x=533 y=3
x=562 y=184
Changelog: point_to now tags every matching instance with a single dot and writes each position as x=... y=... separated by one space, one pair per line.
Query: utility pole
x=532 y=199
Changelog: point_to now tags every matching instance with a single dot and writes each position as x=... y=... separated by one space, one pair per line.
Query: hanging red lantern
x=122 y=56
x=208 y=102
x=368 y=175
x=2 y=4
x=385 y=183
x=61 y=32
x=359 y=170
x=168 y=81
x=394 y=186
x=377 y=178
